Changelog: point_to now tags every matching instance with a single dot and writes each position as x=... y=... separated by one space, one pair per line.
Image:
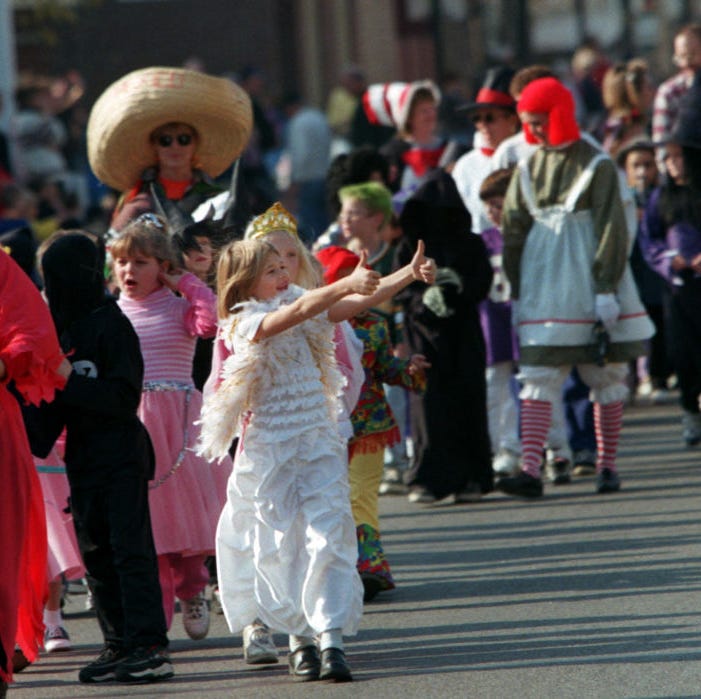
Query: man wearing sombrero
x=161 y=135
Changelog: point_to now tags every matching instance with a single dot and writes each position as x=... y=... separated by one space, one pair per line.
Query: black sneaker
x=522 y=484
x=144 y=664
x=104 y=667
x=607 y=481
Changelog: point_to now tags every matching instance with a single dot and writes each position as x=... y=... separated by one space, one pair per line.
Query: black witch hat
x=494 y=91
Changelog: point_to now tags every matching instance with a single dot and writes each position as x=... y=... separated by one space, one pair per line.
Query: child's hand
x=172 y=278
x=424 y=268
x=418 y=363
x=362 y=280
x=65 y=368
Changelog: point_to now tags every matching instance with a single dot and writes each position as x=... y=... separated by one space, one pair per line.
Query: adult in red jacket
x=31 y=359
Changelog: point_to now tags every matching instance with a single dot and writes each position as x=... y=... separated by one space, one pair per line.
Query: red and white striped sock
x=535 y=423
x=608 y=420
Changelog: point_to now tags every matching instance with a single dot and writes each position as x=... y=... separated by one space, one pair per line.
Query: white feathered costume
x=286 y=543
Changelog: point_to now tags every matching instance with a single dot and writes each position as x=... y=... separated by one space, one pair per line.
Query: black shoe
x=145 y=664
x=334 y=666
x=104 y=667
x=20 y=660
x=305 y=664
x=372 y=585
x=607 y=481
x=522 y=484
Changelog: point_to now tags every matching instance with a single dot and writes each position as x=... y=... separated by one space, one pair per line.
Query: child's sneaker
x=145 y=665
x=258 y=645
x=392 y=483
x=506 y=462
x=195 y=616
x=104 y=667
x=56 y=638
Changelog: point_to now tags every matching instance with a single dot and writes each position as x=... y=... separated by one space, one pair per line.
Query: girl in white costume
x=286 y=547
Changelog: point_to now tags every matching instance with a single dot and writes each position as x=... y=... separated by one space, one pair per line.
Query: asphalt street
x=570 y=596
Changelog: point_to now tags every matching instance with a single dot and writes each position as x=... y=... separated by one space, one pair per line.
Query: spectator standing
x=308 y=145
x=671 y=243
x=687 y=57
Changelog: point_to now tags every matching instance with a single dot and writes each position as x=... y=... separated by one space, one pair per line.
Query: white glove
x=607 y=310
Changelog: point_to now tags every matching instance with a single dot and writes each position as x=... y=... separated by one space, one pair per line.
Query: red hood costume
x=30 y=352
x=549 y=96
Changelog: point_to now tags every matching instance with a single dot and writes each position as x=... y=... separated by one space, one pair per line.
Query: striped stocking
x=535 y=423
x=608 y=420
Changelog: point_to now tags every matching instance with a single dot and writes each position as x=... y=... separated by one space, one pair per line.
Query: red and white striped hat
x=388 y=103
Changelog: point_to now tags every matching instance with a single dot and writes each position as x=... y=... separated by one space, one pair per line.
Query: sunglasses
x=166 y=141
x=486 y=118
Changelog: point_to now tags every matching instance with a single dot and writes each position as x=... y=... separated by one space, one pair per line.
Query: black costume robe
x=449 y=421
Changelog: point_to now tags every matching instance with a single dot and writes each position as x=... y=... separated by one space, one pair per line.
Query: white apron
x=556 y=306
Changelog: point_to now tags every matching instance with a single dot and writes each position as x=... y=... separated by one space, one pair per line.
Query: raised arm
x=361 y=281
x=421 y=268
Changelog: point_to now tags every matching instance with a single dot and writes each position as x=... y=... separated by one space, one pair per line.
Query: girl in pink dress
x=63 y=554
x=187 y=492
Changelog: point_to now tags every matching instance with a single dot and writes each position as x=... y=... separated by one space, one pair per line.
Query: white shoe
x=258 y=645
x=558 y=470
x=56 y=638
x=506 y=462
x=195 y=616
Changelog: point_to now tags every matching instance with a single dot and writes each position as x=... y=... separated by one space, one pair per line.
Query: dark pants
x=579 y=413
x=683 y=321
x=113 y=526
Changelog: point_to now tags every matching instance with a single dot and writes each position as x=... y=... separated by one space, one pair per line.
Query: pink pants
x=182 y=577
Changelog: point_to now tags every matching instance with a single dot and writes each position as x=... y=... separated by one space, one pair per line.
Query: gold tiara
x=276 y=218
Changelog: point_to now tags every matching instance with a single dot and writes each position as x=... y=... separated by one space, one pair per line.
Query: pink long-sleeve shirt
x=168 y=327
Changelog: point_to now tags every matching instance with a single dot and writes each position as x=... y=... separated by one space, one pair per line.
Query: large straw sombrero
x=128 y=111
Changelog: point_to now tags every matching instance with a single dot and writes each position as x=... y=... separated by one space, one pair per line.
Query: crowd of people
x=249 y=334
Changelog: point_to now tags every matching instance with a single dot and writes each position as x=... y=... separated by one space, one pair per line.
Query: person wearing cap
x=494 y=115
x=162 y=135
x=565 y=253
x=671 y=244
x=417 y=148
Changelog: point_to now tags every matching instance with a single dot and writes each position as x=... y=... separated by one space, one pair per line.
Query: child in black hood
x=109 y=460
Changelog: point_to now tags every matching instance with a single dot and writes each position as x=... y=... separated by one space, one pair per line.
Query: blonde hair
x=623 y=86
x=146 y=235
x=241 y=263
x=308 y=276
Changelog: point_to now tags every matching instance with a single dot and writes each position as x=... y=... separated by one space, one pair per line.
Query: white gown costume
x=286 y=543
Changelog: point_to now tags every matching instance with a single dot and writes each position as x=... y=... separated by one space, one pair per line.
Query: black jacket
x=104 y=436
